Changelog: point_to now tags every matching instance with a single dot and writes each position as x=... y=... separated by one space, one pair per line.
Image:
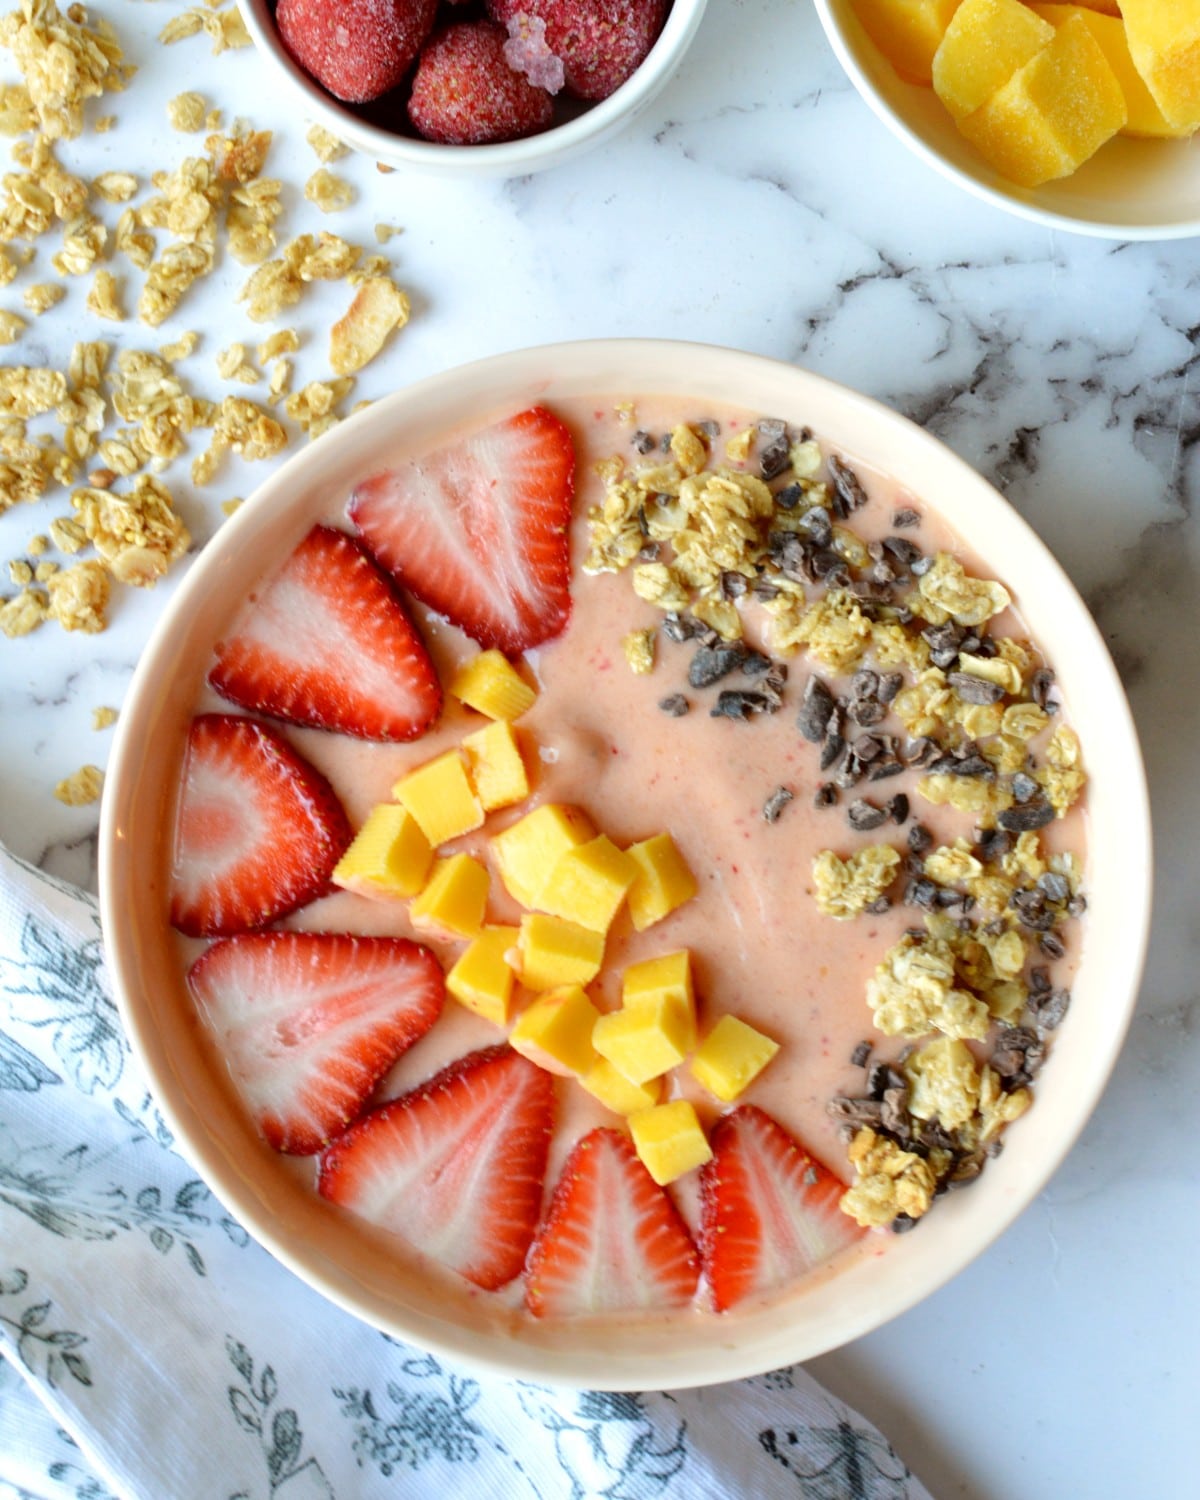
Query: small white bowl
x=1130 y=190
x=533 y=153
x=328 y=1250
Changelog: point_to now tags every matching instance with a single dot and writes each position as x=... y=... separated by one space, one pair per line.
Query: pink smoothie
x=596 y=737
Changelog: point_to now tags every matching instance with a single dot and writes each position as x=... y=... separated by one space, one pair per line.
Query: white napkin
x=174 y=1358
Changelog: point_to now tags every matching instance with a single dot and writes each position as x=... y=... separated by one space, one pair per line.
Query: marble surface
x=758 y=203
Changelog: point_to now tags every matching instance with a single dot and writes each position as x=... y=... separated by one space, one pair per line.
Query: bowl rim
x=514 y=158
x=1007 y=199
x=615 y=1368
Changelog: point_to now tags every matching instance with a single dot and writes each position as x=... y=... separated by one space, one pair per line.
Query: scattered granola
x=845 y=887
x=63 y=63
x=42 y=296
x=378 y=309
x=103 y=717
x=12 y=325
x=638 y=646
x=78 y=596
x=326 y=145
x=329 y=192
x=186 y=112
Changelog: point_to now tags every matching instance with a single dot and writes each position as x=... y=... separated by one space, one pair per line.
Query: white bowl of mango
x=1077 y=116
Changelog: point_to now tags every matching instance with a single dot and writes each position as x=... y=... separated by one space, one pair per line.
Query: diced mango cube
x=670 y=1140
x=1164 y=42
x=667 y=977
x=907 y=32
x=730 y=1057
x=1144 y=116
x=496 y=766
x=440 y=796
x=490 y=683
x=554 y=953
x=985 y=43
x=616 y=1092
x=527 y=852
x=389 y=856
x=646 y=1042
x=556 y=1031
x=482 y=979
x=588 y=883
x=1053 y=113
x=664 y=880
x=455 y=899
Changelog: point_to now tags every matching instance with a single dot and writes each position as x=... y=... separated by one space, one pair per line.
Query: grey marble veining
x=759 y=204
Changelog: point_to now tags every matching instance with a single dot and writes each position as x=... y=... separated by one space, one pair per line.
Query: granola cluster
x=911 y=674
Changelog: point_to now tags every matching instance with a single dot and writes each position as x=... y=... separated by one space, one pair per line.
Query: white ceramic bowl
x=1130 y=190
x=587 y=128
x=323 y=1247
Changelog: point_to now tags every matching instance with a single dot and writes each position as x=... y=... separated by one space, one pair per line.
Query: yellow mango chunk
x=389 y=857
x=1053 y=113
x=1164 y=42
x=496 y=766
x=482 y=979
x=616 y=1092
x=455 y=899
x=554 y=953
x=664 y=881
x=730 y=1057
x=1144 y=116
x=556 y=1032
x=527 y=852
x=668 y=977
x=645 y=1042
x=985 y=43
x=588 y=883
x=440 y=796
x=491 y=684
x=907 y=32
x=670 y=1140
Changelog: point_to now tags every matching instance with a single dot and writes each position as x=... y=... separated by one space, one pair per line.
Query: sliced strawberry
x=257 y=833
x=455 y=1167
x=612 y=1242
x=327 y=643
x=478 y=531
x=309 y=1022
x=770 y=1211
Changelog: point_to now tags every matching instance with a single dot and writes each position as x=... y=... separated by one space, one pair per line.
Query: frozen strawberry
x=601 y=42
x=612 y=1241
x=456 y=1167
x=309 y=1022
x=257 y=833
x=327 y=643
x=465 y=93
x=357 y=49
x=478 y=531
x=769 y=1210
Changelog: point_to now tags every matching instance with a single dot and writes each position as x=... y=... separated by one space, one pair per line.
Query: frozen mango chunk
x=491 y=684
x=670 y=1140
x=455 y=899
x=664 y=880
x=554 y=953
x=482 y=979
x=907 y=32
x=527 y=852
x=389 y=856
x=496 y=766
x=985 y=43
x=645 y=1042
x=588 y=883
x=616 y=1092
x=1144 y=116
x=667 y=977
x=556 y=1031
x=730 y=1057
x=1053 y=113
x=440 y=796
x=1164 y=42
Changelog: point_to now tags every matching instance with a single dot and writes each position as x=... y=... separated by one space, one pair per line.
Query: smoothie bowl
x=626 y=865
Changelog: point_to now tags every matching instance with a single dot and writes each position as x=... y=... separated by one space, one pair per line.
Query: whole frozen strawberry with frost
x=357 y=49
x=466 y=92
x=601 y=42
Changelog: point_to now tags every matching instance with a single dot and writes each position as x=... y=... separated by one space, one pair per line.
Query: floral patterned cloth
x=174 y=1358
